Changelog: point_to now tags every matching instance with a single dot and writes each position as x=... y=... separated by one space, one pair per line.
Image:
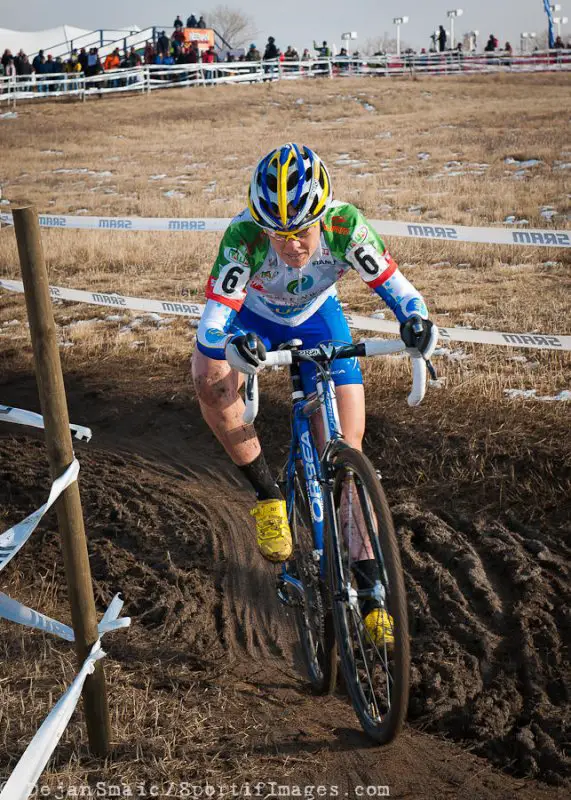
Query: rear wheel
x=313 y=613
x=365 y=576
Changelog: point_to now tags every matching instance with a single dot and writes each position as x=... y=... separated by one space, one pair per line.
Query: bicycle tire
x=381 y=711
x=313 y=617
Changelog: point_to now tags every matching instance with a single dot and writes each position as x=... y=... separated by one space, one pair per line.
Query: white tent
x=58 y=41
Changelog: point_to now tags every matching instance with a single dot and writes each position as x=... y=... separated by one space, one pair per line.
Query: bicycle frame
x=303 y=449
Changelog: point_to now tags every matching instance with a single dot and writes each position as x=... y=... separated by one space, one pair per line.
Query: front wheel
x=368 y=596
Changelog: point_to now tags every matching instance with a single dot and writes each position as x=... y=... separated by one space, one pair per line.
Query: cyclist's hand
x=244 y=352
x=420 y=333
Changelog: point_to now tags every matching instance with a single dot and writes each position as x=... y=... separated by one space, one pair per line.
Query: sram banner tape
x=535 y=340
x=386 y=227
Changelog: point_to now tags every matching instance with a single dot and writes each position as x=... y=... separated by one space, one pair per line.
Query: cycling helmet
x=290 y=189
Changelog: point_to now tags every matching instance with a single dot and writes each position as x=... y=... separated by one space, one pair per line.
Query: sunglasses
x=299 y=235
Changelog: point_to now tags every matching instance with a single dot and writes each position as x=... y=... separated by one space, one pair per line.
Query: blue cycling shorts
x=328 y=324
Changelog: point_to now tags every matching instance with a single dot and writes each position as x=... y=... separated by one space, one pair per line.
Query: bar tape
x=22 y=417
x=533 y=340
x=14 y=611
x=23 y=779
x=433 y=232
x=16 y=537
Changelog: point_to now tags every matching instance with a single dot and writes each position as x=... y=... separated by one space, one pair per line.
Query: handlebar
x=327 y=353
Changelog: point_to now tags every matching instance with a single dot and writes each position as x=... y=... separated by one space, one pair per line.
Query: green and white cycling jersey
x=248 y=272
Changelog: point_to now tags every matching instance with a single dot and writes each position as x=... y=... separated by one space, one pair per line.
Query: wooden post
x=60 y=454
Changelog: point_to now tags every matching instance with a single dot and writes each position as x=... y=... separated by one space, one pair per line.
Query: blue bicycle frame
x=303 y=449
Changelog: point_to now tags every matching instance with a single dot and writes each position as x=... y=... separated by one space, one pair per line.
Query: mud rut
x=169 y=526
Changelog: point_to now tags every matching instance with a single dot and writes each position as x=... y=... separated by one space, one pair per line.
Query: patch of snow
x=378 y=314
x=463 y=265
x=52 y=152
x=548 y=212
x=452 y=355
x=9 y=115
x=157 y=177
x=210 y=187
x=11 y=323
x=550 y=263
x=437 y=384
x=114 y=318
x=383 y=135
x=442 y=264
x=415 y=209
x=423 y=156
x=4 y=202
x=300 y=101
x=366 y=175
x=562 y=165
x=519 y=359
x=531 y=394
x=173 y=194
x=136 y=344
x=368 y=107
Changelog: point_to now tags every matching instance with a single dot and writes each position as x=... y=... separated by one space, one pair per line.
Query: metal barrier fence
x=149 y=77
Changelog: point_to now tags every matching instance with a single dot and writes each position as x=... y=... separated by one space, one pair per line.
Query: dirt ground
x=206 y=685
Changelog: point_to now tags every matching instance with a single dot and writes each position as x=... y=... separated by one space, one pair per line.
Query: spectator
x=558 y=44
x=201 y=23
x=253 y=53
x=38 y=62
x=323 y=51
x=149 y=53
x=491 y=44
x=177 y=40
x=17 y=59
x=508 y=48
x=178 y=23
x=193 y=53
x=163 y=45
x=8 y=63
x=306 y=55
x=271 y=51
x=291 y=54
x=94 y=66
x=191 y=22
x=113 y=60
x=134 y=59
x=83 y=58
x=442 y=37
x=23 y=66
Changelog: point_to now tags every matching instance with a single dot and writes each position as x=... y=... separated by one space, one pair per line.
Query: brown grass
x=202 y=135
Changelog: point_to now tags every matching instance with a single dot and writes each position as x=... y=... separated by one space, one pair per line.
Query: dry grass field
x=204 y=686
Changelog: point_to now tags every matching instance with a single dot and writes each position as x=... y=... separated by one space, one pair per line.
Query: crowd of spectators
x=179 y=48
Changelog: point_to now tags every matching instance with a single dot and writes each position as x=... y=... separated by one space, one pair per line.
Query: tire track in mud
x=169 y=525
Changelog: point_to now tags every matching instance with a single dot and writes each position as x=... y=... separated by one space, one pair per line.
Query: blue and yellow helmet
x=290 y=189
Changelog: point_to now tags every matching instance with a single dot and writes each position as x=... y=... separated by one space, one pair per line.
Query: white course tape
x=16 y=537
x=14 y=611
x=434 y=232
x=23 y=779
x=537 y=341
x=22 y=417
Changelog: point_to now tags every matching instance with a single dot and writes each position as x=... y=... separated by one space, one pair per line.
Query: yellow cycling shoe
x=379 y=625
x=274 y=535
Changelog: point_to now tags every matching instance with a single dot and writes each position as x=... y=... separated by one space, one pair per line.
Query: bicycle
x=337 y=512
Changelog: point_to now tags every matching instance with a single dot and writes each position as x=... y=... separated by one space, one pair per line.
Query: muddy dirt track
x=168 y=525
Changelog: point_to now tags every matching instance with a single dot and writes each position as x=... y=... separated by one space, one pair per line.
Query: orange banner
x=204 y=37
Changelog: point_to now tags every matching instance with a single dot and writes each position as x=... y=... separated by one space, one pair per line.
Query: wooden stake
x=60 y=454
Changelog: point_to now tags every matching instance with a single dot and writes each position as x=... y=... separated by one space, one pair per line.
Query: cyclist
x=275 y=280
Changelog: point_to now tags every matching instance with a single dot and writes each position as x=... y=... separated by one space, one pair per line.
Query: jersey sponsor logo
x=432 y=232
x=257 y=285
x=268 y=274
x=538 y=237
x=416 y=306
x=116 y=224
x=300 y=286
x=322 y=262
x=313 y=487
x=186 y=225
x=336 y=229
x=284 y=310
x=523 y=338
x=359 y=236
x=236 y=254
x=214 y=336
